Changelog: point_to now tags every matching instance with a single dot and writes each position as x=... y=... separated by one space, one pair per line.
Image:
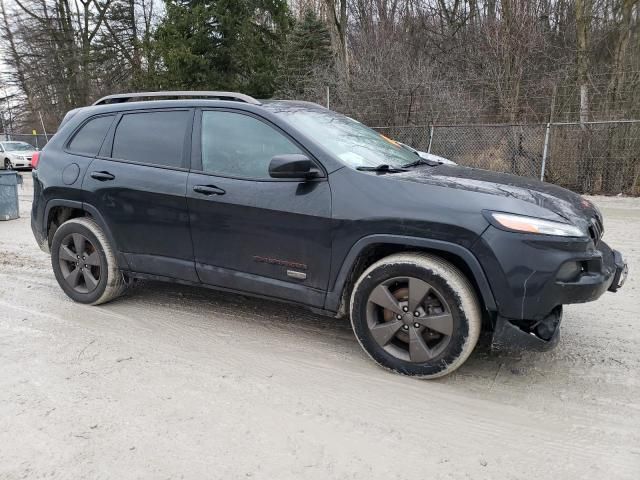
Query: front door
x=251 y=232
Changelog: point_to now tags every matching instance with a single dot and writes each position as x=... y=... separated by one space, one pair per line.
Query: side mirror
x=293 y=165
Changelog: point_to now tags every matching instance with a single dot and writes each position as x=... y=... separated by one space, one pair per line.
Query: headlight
x=520 y=223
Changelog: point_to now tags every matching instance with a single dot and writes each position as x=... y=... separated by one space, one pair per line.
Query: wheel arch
x=372 y=248
x=59 y=211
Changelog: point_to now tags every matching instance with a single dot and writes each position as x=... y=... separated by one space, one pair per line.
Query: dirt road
x=178 y=382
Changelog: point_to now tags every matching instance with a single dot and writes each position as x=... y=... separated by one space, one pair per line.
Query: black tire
x=111 y=282
x=7 y=164
x=458 y=297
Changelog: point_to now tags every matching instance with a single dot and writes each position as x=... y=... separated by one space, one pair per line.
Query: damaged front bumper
x=622 y=271
x=590 y=274
x=537 y=336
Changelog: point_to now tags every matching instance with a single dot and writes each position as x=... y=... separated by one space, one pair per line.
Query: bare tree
x=337 y=13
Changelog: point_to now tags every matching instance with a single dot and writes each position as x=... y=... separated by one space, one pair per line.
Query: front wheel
x=7 y=164
x=84 y=262
x=416 y=314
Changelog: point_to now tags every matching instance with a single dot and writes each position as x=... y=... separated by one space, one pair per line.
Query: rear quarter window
x=154 y=138
x=89 y=138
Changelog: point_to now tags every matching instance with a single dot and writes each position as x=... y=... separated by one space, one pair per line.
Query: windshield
x=16 y=146
x=352 y=142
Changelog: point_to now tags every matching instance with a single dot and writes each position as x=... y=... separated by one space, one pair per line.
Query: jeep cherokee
x=290 y=201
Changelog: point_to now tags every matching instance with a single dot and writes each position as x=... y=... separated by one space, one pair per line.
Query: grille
x=596 y=229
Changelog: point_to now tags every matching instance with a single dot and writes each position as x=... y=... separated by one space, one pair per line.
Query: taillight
x=35 y=158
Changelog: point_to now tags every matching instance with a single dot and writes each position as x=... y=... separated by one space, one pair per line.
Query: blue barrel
x=9 y=181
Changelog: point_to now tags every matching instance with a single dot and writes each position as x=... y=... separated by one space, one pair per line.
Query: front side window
x=238 y=145
x=155 y=138
x=89 y=138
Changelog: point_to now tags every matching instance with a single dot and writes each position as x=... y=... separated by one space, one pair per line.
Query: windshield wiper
x=422 y=161
x=384 y=168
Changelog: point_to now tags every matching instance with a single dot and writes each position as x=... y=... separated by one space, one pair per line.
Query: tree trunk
x=613 y=169
x=338 y=21
x=583 y=21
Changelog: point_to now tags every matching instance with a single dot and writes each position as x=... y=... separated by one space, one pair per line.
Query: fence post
x=430 y=138
x=545 y=149
x=45 y=130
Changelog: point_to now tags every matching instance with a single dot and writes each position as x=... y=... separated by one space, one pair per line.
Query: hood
x=570 y=206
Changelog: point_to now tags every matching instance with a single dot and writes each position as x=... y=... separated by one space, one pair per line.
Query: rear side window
x=156 y=138
x=88 y=139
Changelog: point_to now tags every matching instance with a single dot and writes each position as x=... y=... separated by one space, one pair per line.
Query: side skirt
x=161 y=278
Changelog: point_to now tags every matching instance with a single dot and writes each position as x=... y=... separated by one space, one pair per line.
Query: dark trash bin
x=9 y=181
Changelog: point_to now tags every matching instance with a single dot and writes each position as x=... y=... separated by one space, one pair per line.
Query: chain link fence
x=596 y=157
x=37 y=141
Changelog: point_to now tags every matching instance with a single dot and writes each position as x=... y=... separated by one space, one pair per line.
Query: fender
x=95 y=214
x=334 y=297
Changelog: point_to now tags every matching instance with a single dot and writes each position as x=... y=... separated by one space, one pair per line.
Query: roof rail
x=125 y=97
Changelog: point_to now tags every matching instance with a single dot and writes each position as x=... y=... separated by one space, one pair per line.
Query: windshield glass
x=352 y=142
x=16 y=146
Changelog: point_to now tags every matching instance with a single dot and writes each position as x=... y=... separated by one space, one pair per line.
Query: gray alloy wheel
x=84 y=262
x=416 y=314
x=79 y=263
x=7 y=164
x=409 y=319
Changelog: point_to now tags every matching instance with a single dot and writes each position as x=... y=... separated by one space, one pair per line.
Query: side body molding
x=334 y=296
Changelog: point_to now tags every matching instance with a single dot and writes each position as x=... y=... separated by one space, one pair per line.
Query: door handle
x=208 y=190
x=102 y=176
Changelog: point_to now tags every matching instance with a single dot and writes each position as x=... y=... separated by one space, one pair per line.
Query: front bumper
x=621 y=273
x=532 y=276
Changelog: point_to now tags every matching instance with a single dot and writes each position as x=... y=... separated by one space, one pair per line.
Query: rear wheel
x=84 y=263
x=416 y=314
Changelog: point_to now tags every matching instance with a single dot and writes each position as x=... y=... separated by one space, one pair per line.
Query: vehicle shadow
x=318 y=330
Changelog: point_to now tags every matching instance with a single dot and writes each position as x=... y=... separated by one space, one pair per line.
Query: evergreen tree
x=222 y=44
x=308 y=59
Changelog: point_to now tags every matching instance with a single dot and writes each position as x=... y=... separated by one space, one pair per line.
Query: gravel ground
x=180 y=382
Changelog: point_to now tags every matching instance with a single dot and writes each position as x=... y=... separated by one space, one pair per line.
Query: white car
x=429 y=156
x=16 y=155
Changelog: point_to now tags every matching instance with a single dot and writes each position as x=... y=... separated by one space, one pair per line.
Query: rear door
x=251 y=232
x=138 y=185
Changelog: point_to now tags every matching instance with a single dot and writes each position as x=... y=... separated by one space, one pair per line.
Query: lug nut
x=406 y=327
x=416 y=313
x=405 y=309
x=399 y=317
x=417 y=325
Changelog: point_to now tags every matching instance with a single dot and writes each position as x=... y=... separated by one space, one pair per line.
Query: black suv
x=290 y=201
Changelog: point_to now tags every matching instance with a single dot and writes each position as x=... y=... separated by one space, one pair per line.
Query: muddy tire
x=416 y=314
x=84 y=263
